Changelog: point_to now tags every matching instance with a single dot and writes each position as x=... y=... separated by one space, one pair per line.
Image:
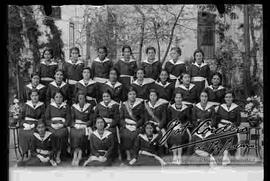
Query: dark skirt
x=200 y=85
x=145 y=160
x=195 y=159
x=61 y=138
x=25 y=138
x=127 y=138
x=231 y=142
x=34 y=161
x=78 y=139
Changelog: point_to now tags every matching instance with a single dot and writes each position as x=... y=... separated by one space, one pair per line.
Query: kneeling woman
x=82 y=115
x=146 y=148
x=179 y=116
x=102 y=145
x=42 y=152
x=58 y=118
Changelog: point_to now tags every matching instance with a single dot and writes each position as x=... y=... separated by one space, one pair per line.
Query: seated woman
x=131 y=122
x=189 y=91
x=146 y=147
x=216 y=91
x=82 y=117
x=142 y=85
x=228 y=114
x=32 y=111
x=163 y=86
x=57 y=119
x=102 y=145
x=42 y=151
x=179 y=115
x=88 y=86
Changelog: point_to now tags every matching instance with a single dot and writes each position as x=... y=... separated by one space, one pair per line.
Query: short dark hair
x=99 y=117
x=114 y=69
x=104 y=48
x=131 y=89
x=58 y=92
x=229 y=91
x=177 y=49
x=153 y=126
x=107 y=91
x=150 y=48
x=59 y=70
x=80 y=92
x=154 y=91
x=35 y=74
x=74 y=48
x=177 y=91
x=49 y=50
x=184 y=73
x=198 y=51
x=126 y=47
x=219 y=75
x=33 y=90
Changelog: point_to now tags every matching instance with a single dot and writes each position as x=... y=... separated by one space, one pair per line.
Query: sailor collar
x=47 y=134
x=179 y=61
x=98 y=60
x=105 y=134
x=145 y=81
x=39 y=86
x=164 y=86
x=77 y=107
x=233 y=106
x=182 y=86
x=89 y=82
x=158 y=103
x=111 y=103
x=182 y=108
x=200 y=66
x=117 y=84
x=143 y=136
x=29 y=103
x=55 y=85
x=208 y=105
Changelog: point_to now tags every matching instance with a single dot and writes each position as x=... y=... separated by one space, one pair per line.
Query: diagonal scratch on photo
x=135 y=85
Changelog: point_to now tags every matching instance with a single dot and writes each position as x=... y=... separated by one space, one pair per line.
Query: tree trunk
x=254 y=49
x=142 y=33
x=157 y=38
x=172 y=33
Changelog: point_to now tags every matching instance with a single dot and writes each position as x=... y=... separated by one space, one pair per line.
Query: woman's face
x=153 y=97
x=174 y=55
x=58 y=98
x=215 y=80
x=198 y=57
x=74 y=54
x=149 y=130
x=106 y=97
x=35 y=80
x=140 y=74
x=228 y=98
x=58 y=76
x=151 y=54
x=178 y=99
x=41 y=129
x=204 y=97
x=81 y=99
x=101 y=54
x=34 y=97
x=186 y=79
x=113 y=76
x=163 y=76
x=127 y=53
x=100 y=124
x=86 y=74
x=132 y=96
x=47 y=55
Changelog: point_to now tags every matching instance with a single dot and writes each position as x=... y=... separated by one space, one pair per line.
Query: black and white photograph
x=138 y=86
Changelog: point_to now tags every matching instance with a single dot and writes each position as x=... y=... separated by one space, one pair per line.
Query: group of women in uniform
x=112 y=111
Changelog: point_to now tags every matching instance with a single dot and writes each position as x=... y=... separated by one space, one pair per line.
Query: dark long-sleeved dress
x=101 y=69
x=147 y=151
x=216 y=96
x=165 y=91
x=190 y=95
x=116 y=90
x=151 y=69
x=46 y=72
x=41 y=92
x=30 y=115
x=58 y=115
x=175 y=69
x=101 y=146
x=53 y=87
x=41 y=146
x=80 y=116
x=143 y=89
x=199 y=75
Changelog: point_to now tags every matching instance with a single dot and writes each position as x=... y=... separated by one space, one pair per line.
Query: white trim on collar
x=130 y=60
x=143 y=136
x=39 y=86
x=219 y=87
x=55 y=85
x=145 y=81
x=98 y=60
x=206 y=135
x=64 y=104
x=182 y=108
x=89 y=83
x=200 y=66
x=105 y=134
x=77 y=107
x=184 y=87
x=160 y=84
x=29 y=103
x=146 y=61
x=179 y=61
x=233 y=106
x=137 y=102
x=79 y=61
x=117 y=84
x=47 y=134
x=110 y=103
x=42 y=61
x=208 y=105
x=158 y=103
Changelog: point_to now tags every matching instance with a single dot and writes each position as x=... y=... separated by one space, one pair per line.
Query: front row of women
x=134 y=128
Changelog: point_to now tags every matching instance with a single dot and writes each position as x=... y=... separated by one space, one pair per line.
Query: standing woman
x=87 y=85
x=58 y=85
x=176 y=66
x=146 y=148
x=82 y=118
x=34 y=84
x=151 y=65
x=116 y=88
x=163 y=86
x=216 y=91
x=58 y=118
x=73 y=68
x=32 y=111
x=102 y=145
x=179 y=115
x=131 y=122
x=228 y=114
x=199 y=71
x=47 y=67
x=126 y=67
x=142 y=85
x=101 y=66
